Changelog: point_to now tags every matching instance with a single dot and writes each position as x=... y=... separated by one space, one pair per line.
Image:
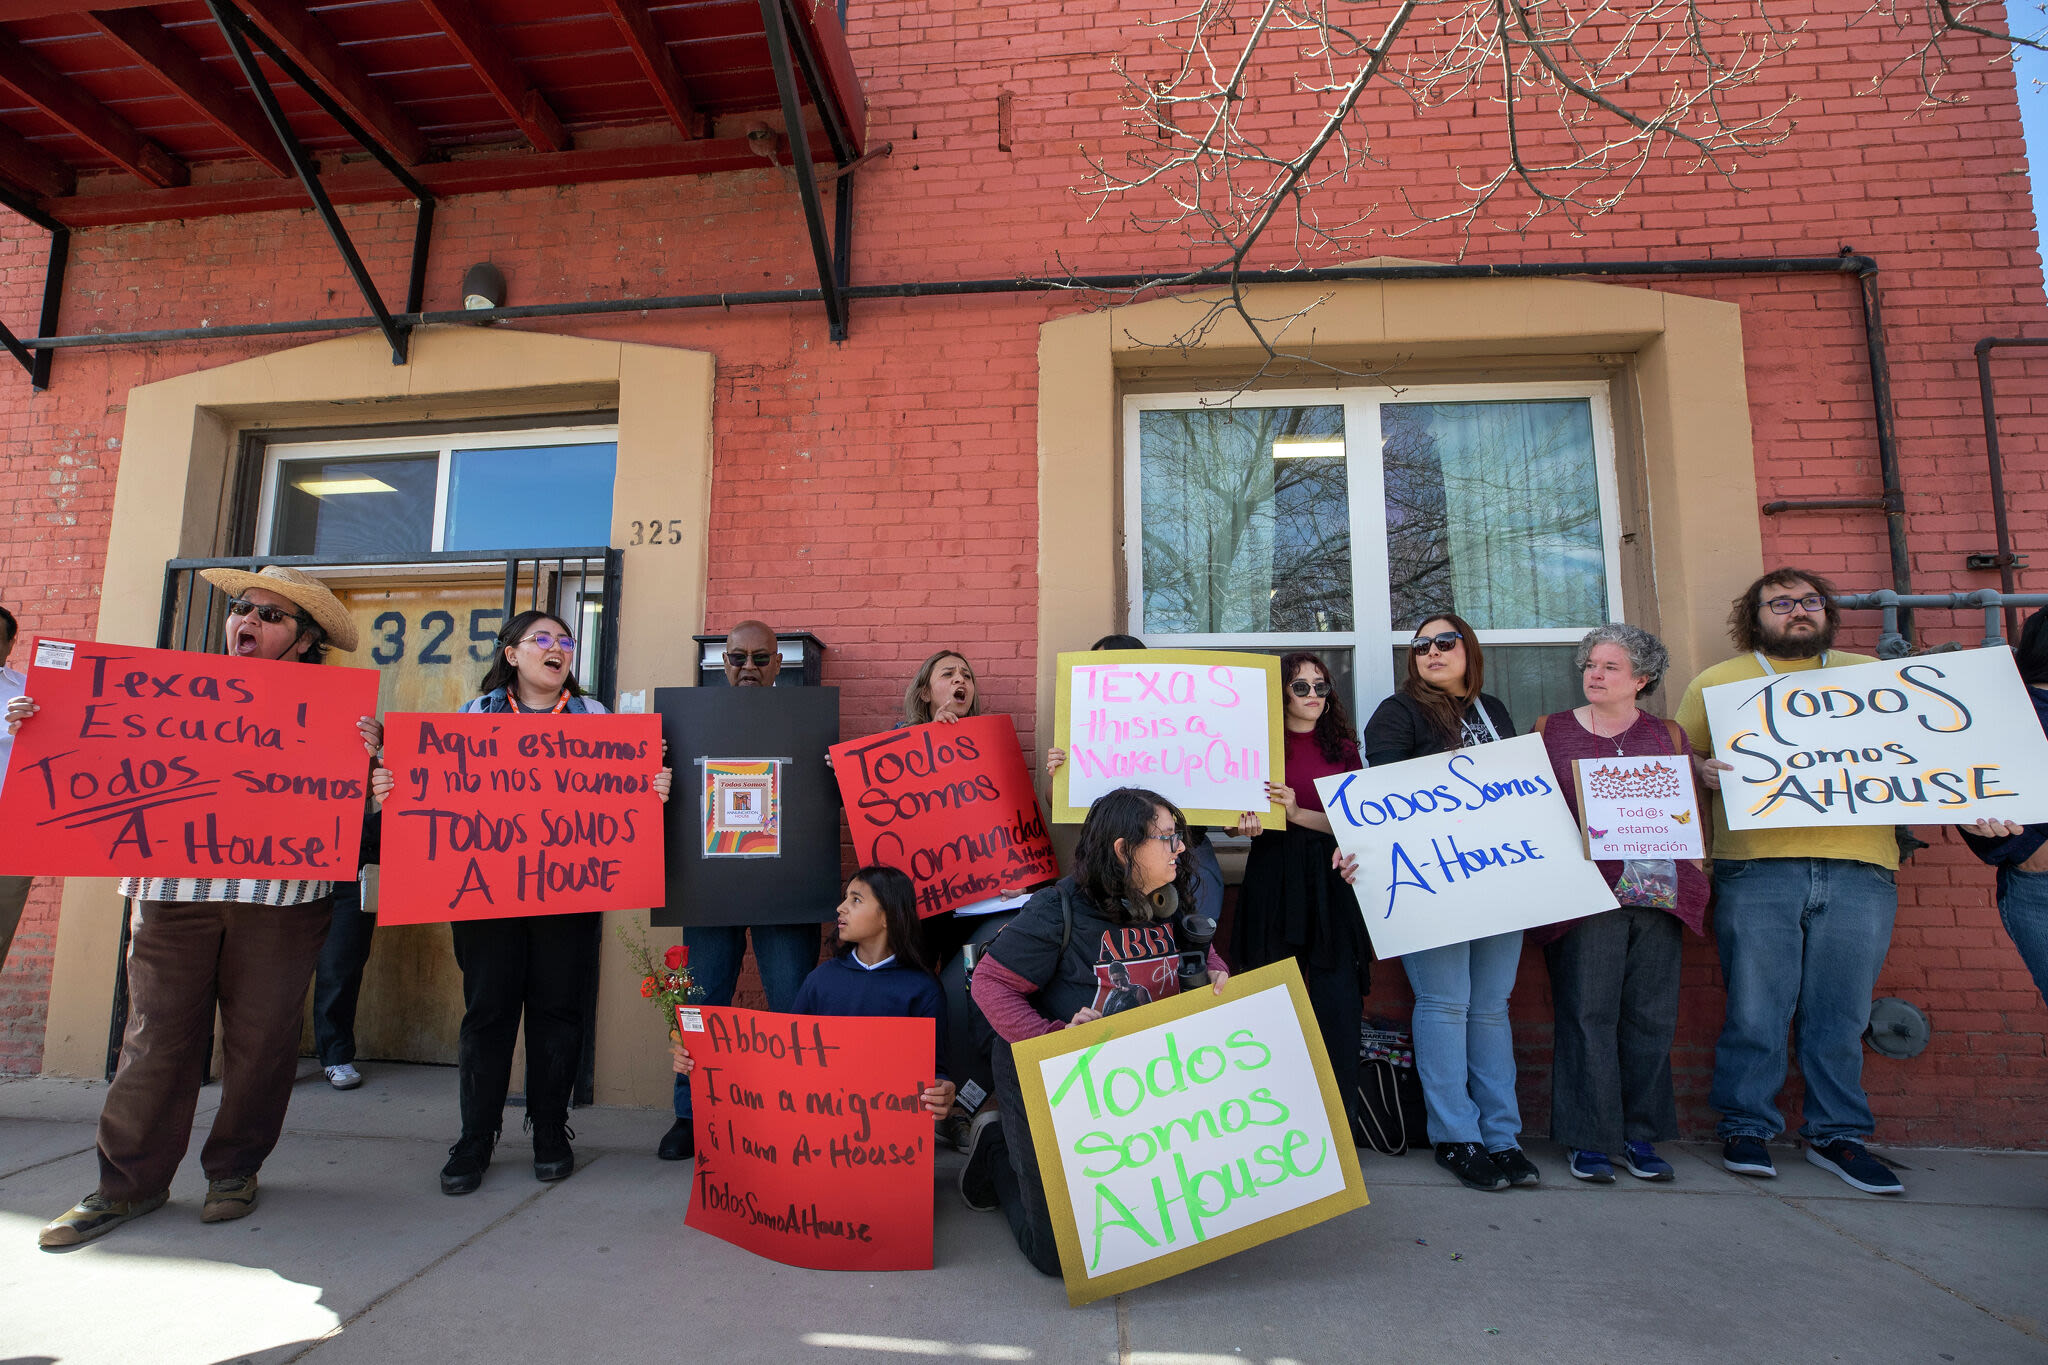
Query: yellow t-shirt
x=1857 y=843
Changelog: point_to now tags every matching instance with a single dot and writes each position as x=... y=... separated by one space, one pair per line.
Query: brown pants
x=254 y=961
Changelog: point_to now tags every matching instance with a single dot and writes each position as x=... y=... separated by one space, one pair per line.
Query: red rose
x=676 y=956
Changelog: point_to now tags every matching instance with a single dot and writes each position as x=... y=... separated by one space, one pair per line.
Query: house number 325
x=657 y=532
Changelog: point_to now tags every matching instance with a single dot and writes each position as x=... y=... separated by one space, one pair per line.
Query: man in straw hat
x=247 y=944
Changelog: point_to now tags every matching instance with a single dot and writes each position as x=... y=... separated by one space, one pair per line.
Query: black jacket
x=1400 y=729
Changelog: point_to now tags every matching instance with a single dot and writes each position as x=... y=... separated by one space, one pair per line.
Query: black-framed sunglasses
x=1783 y=606
x=738 y=657
x=1445 y=640
x=1302 y=687
x=267 y=614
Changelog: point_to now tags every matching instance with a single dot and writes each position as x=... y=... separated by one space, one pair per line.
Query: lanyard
x=1767 y=663
x=561 y=705
x=1485 y=720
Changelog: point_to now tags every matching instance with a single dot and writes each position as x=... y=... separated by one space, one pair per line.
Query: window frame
x=1375 y=635
x=278 y=454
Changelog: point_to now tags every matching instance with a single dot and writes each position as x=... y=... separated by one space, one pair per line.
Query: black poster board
x=797 y=880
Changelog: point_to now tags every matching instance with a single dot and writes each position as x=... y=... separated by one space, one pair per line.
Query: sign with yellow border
x=1200 y=727
x=1185 y=1131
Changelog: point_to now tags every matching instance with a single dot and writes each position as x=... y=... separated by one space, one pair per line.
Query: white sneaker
x=344 y=1077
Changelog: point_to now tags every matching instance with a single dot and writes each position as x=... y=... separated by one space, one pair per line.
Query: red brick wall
x=882 y=492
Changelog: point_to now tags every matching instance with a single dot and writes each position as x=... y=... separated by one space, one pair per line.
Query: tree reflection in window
x=1247 y=521
x=1493 y=511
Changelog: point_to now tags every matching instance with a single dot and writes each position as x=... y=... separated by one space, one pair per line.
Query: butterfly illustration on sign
x=1597 y=833
x=1683 y=817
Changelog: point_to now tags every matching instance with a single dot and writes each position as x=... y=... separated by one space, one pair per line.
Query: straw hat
x=308 y=592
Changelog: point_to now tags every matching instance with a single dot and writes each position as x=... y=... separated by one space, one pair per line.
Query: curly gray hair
x=1647 y=657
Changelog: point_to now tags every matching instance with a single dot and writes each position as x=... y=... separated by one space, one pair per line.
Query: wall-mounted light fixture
x=483 y=286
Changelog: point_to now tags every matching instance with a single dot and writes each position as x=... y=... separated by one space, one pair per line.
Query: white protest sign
x=1640 y=808
x=1174 y=1134
x=1943 y=739
x=1462 y=845
x=1201 y=728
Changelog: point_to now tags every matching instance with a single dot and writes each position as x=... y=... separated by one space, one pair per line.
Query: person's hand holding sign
x=1345 y=865
x=664 y=778
x=382 y=780
x=372 y=731
x=1055 y=759
x=1709 y=771
x=937 y=1098
x=19 y=710
x=2007 y=829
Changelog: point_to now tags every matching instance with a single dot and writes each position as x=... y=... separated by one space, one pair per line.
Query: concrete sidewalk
x=354 y=1255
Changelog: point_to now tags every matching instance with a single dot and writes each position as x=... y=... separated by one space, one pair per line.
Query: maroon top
x=1305 y=763
x=1568 y=741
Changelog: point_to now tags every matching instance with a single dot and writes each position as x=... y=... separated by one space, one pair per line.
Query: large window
x=1333 y=521
x=408 y=495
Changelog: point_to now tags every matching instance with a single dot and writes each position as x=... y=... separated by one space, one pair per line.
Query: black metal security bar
x=239 y=30
x=1894 y=643
x=35 y=361
x=192 y=610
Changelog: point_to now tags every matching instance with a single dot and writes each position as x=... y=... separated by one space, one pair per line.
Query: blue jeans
x=1802 y=941
x=338 y=980
x=2023 y=905
x=1464 y=1049
x=785 y=953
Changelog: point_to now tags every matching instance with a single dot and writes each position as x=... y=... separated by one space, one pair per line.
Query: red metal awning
x=120 y=113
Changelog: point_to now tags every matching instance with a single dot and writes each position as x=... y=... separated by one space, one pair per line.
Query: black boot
x=552 y=1158
x=679 y=1143
x=468 y=1159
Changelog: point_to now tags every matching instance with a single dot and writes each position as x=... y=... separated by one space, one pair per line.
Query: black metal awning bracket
x=239 y=30
x=37 y=362
x=830 y=284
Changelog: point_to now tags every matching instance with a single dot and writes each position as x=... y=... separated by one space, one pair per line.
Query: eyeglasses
x=738 y=657
x=547 y=640
x=1813 y=601
x=1172 y=839
x=1445 y=640
x=1301 y=687
x=267 y=614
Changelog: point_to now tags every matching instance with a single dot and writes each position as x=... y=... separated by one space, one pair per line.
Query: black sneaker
x=985 y=1147
x=1856 y=1167
x=468 y=1159
x=679 y=1143
x=1516 y=1166
x=552 y=1158
x=1747 y=1156
x=1469 y=1162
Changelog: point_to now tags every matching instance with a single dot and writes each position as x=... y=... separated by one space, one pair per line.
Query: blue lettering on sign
x=1460 y=793
x=1453 y=863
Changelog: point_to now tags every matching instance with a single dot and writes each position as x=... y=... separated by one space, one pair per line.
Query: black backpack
x=1391 y=1114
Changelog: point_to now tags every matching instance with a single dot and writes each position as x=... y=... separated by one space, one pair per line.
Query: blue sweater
x=2003 y=853
x=896 y=990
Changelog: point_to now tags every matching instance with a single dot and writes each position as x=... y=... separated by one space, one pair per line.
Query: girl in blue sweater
x=880 y=972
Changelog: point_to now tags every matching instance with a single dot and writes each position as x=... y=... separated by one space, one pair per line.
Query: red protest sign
x=812 y=1147
x=163 y=763
x=951 y=805
x=497 y=814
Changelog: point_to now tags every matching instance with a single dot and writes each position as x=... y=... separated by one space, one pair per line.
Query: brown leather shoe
x=228 y=1198
x=94 y=1216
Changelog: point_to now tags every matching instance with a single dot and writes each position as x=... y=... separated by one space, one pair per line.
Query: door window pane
x=1493 y=511
x=1246 y=520
x=523 y=497
x=371 y=506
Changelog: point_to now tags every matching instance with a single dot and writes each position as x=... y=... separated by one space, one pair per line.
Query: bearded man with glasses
x=1803 y=919
x=246 y=944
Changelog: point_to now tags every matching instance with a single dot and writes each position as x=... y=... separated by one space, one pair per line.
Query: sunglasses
x=738 y=657
x=1301 y=687
x=548 y=640
x=267 y=614
x=1783 y=606
x=1445 y=640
